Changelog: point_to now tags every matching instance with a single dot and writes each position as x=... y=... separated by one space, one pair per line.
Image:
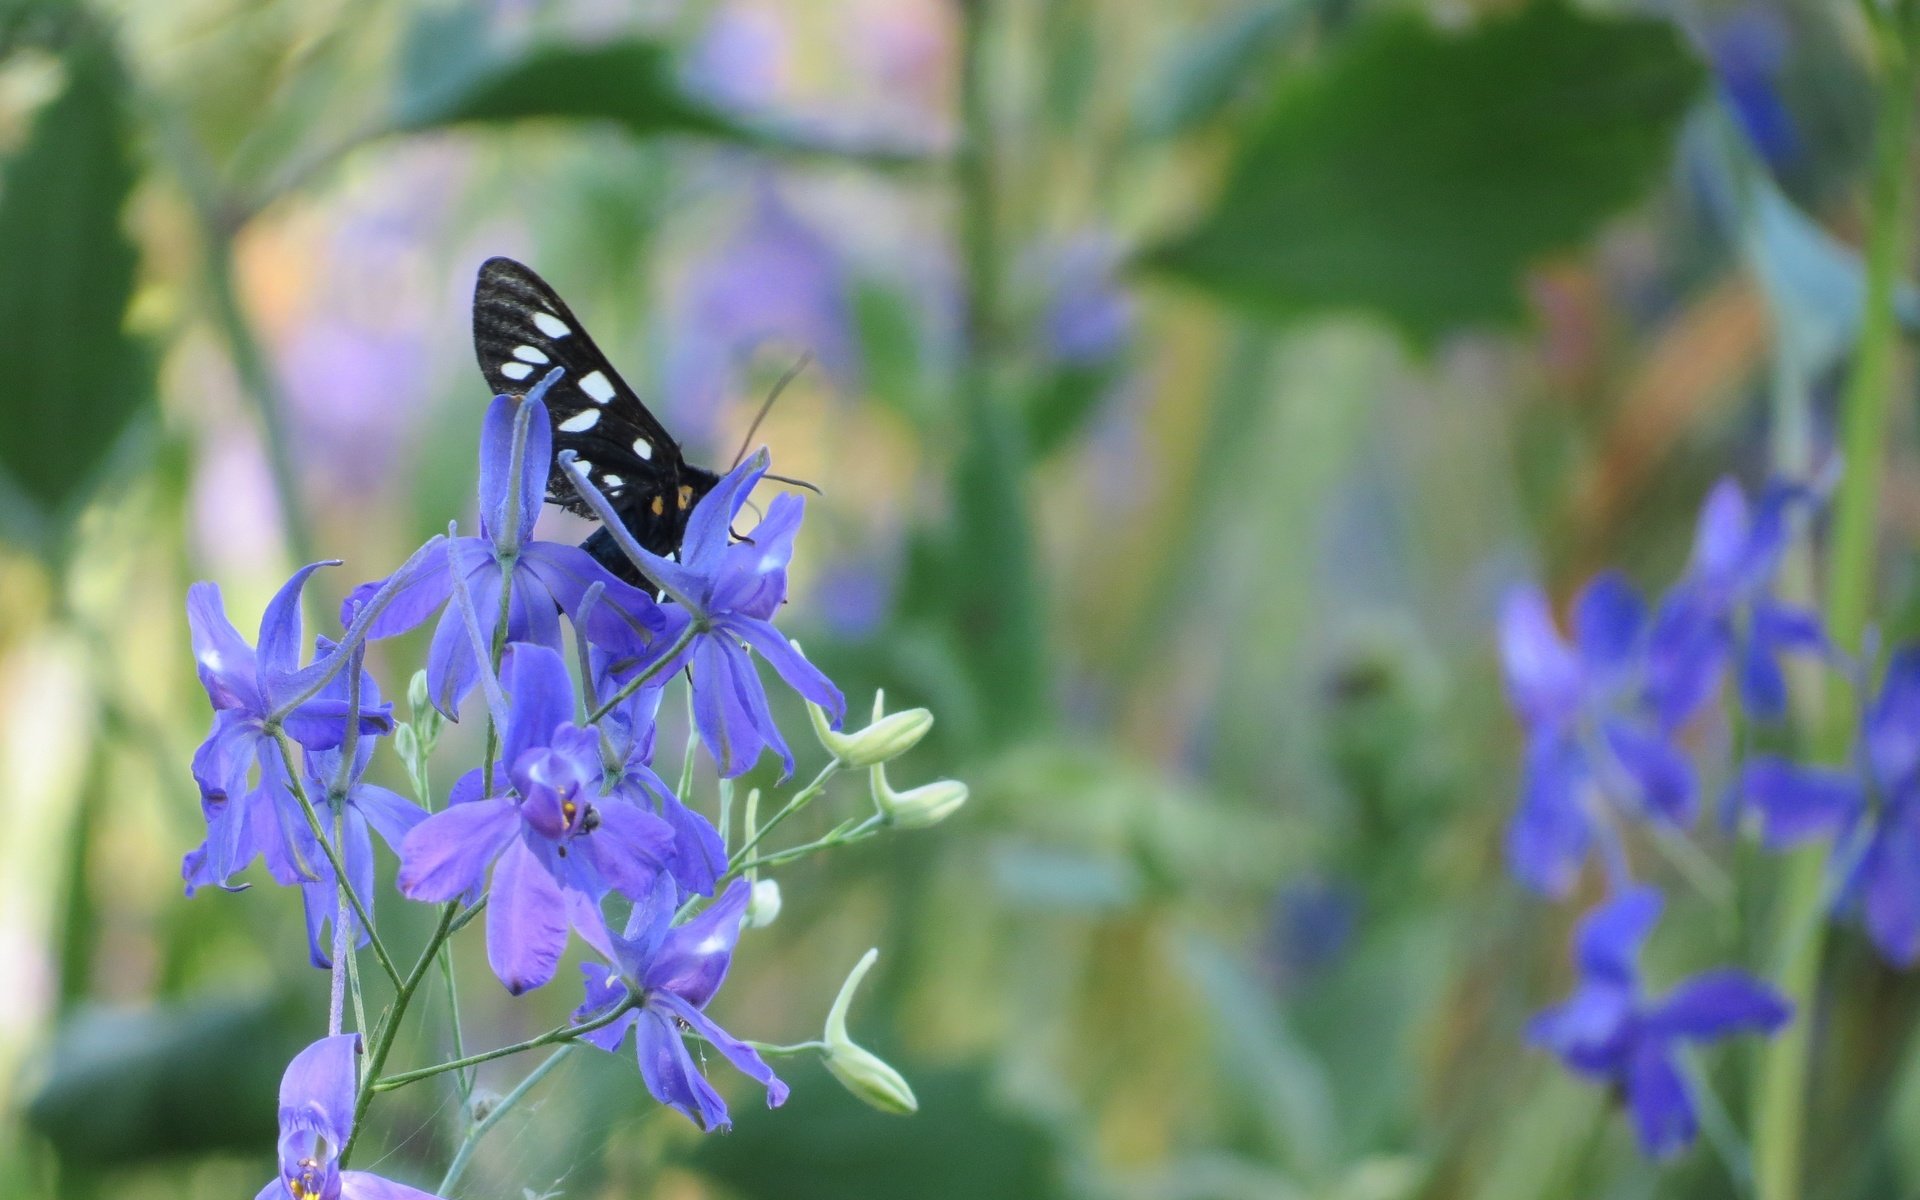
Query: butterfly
x=521 y=331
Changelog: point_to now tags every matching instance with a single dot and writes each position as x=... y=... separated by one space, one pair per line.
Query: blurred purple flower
x=728 y=592
x=248 y=688
x=774 y=281
x=316 y=1120
x=1878 y=854
x=362 y=806
x=1088 y=318
x=547 y=578
x=1725 y=608
x=675 y=970
x=341 y=381
x=560 y=845
x=1310 y=925
x=1749 y=49
x=1593 y=715
x=1609 y=1032
x=739 y=60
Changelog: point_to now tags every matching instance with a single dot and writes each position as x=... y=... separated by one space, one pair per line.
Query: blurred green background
x=1189 y=380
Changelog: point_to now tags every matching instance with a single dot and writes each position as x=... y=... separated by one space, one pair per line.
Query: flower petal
x=526 y=920
x=1543 y=675
x=743 y=1057
x=221 y=656
x=1608 y=619
x=799 y=674
x=752 y=575
x=1608 y=944
x=693 y=958
x=1548 y=839
x=392 y=816
x=630 y=847
x=707 y=535
x=422 y=587
x=1662 y=777
x=1720 y=538
x=540 y=698
x=280 y=638
x=671 y=1075
x=359 y=1185
x=1716 y=1003
x=496 y=466
x=320 y=1082
x=1796 y=802
x=1889 y=884
x=1893 y=722
x=448 y=852
x=1657 y=1095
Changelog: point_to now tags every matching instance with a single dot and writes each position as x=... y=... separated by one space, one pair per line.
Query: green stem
x=1780 y=1122
x=390 y=1027
x=800 y=800
x=333 y=858
x=845 y=837
x=562 y=1033
x=646 y=676
x=480 y=1128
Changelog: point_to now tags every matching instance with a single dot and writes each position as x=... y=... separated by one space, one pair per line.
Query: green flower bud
x=406 y=743
x=763 y=905
x=917 y=808
x=417 y=696
x=888 y=737
x=858 y=1069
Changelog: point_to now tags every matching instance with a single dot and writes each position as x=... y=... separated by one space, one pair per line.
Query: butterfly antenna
x=779 y=386
x=800 y=483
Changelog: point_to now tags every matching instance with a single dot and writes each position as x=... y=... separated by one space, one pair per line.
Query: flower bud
x=888 y=737
x=858 y=1069
x=406 y=743
x=917 y=808
x=417 y=693
x=763 y=905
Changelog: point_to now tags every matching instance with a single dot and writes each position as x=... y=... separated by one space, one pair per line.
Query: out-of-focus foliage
x=1190 y=380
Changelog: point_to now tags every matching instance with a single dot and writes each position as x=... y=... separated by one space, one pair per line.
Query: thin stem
x=646 y=675
x=845 y=837
x=333 y=859
x=390 y=1027
x=799 y=801
x=479 y=1131
x=561 y=1033
x=337 y=984
x=1780 y=1120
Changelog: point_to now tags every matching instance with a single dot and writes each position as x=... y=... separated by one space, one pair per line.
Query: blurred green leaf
x=1418 y=171
x=130 y=1086
x=632 y=83
x=826 y=1145
x=74 y=377
x=1063 y=401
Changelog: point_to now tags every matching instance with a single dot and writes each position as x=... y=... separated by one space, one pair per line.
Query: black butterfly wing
x=521 y=331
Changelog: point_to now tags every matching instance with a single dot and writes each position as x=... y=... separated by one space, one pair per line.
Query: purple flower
x=674 y=971
x=316 y=1120
x=1088 y=318
x=1594 y=729
x=248 y=688
x=546 y=577
x=1724 y=609
x=1878 y=859
x=362 y=806
x=1749 y=50
x=1609 y=1032
x=726 y=592
x=699 y=856
x=560 y=846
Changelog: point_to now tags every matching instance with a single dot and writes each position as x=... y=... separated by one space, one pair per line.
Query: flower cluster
x=1612 y=716
x=565 y=824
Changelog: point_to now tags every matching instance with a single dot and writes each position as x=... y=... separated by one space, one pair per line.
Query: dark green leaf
x=129 y=1086
x=1418 y=171
x=74 y=377
x=825 y=1145
x=631 y=82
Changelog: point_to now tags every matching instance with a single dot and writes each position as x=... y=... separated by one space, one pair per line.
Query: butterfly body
x=521 y=331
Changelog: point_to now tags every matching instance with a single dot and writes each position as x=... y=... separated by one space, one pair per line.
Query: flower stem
x=562 y=1033
x=480 y=1128
x=645 y=676
x=859 y=832
x=382 y=1041
x=333 y=859
x=800 y=800
x=1780 y=1118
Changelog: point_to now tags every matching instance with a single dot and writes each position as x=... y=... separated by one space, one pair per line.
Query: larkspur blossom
x=248 y=687
x=627 y=732
x=1608 y=1031
x=725 y=594
x=361 y=806
x=1725 y=609
x=546 y=578
x=559 y=845
x=1598 y=725
x=673 y=971
x=1871 y=809
x=316 y=1121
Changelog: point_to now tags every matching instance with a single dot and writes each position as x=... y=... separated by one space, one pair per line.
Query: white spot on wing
x=595 y=385
x=516 y=370
x=643 y=447
x=532 y=354
x=581 y=421
x=551 y=325
x=613 y=481
x=584 y=465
